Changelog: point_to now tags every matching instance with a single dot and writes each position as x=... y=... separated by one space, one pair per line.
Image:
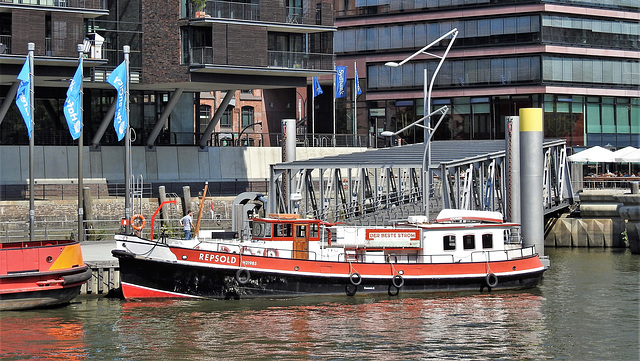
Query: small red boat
x=290 y=256
x=39 y=274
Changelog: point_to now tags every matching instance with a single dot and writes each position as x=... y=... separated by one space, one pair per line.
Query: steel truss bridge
x=382 y=185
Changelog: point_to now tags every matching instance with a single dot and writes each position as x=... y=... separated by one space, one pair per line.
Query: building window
x=487 y=241
x=469 y=241
x=227 y=117
x=247 y=116
x=449 y=243
x=205 y=116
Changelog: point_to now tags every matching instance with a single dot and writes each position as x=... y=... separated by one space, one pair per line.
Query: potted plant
x=198 y=7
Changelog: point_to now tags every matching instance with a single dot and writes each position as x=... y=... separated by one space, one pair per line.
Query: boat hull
x=146 y=277
x=40 y=274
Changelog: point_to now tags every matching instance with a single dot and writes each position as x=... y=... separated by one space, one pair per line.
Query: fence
x=99 y=230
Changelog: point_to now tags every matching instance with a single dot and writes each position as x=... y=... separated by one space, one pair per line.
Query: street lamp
x=426 y=157
x=245 y=128
x=428 y=131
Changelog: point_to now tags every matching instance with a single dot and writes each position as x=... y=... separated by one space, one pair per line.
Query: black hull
x=221 y=283
x=38 y=299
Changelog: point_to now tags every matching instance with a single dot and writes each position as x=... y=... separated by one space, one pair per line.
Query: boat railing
x=251 y=250
x=503 y=255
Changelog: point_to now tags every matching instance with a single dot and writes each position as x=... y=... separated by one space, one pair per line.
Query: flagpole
x=313 y=114
x=127 y=146
x=31 y=47
x=355 y=111
x=334 y=113
x=80 y=146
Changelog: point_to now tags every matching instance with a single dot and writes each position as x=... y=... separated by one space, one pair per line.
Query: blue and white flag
x=317 y=90
x=118 y=78
x=23 y=97
x=341 y=81
x=72 y=110
x=358 y=90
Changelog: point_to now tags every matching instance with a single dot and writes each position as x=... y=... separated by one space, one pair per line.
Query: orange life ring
x=270 y=252
x=138 y=222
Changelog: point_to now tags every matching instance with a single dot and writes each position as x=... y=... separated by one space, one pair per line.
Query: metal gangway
x=382 y=185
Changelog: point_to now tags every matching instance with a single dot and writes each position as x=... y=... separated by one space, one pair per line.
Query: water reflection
x=474 y=326
x=45 y=338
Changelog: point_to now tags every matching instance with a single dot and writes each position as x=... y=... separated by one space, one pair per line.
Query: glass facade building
x=578 y=60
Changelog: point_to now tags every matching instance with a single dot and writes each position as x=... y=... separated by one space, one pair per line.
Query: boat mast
x=127 y=147
x=202 y=199
x=32 y=213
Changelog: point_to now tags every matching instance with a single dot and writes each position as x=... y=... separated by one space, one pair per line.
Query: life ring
x=223 y=249
x=397 y=281
x=271 y=252
x=243 y=276
x=350 y=292
x=355 y=278
x=138 y=222
x=491 y=279
x=392 y=293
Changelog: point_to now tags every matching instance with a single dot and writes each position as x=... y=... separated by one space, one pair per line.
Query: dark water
x=586 y=309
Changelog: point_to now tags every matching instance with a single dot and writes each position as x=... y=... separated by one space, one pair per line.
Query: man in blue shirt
x=187 y=222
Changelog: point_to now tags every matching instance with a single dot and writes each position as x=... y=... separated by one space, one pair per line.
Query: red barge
x=291 y=256
x=39 y=274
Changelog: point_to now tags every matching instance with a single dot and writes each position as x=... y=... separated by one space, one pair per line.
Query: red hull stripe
x=134 y=291
x=331 y=268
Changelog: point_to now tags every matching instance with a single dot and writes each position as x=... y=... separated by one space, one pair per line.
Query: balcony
x=295 y=60
x=277 y=59
x=76 y=4
x=228 y=10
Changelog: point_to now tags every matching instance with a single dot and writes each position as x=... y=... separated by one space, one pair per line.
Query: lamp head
x=387 y=133
x=392 y=64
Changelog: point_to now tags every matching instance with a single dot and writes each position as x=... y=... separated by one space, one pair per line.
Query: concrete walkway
x=98 y=251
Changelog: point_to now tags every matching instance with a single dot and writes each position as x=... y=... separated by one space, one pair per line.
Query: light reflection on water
x=474 y=326
x=576 y=314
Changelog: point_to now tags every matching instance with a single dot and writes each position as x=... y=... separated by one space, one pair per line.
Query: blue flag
x=118 y=78
x=358 y=90
x=341 y=81
x=23 y=97
x=72 y=110
x=317 y=90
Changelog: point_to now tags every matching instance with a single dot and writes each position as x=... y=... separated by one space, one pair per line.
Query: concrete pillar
x=531 y=167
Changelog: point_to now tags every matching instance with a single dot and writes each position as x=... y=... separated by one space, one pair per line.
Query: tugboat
x=37 y=274
x=291 y=256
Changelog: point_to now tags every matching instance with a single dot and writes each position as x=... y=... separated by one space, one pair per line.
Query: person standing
x=187 y=222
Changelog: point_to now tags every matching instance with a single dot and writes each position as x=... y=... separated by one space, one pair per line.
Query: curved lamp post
x=428 y=131
x=245 y=128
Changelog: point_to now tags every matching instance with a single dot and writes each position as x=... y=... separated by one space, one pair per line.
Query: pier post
x=531 y=167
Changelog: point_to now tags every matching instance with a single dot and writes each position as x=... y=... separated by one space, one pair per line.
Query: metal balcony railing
x=297 y=60
x=82 y=4
x=5 y=44
x=228 y=10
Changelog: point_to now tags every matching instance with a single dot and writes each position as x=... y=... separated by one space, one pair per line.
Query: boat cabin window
x=314 y=231
x=283 y=230
x=469 y=241
x=301 y=231
x=449 y=243
x=487 y=241
x=261 y=229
